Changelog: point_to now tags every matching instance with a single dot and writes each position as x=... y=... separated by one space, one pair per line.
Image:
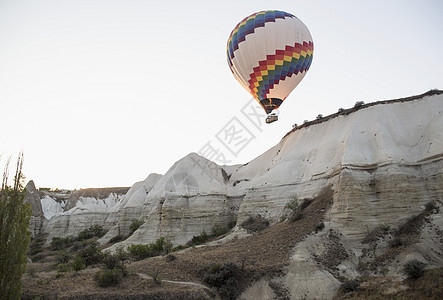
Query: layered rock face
x=384 y=162
x=83 y=209
x=190 y=198
x=37 y=218
x=129 y=208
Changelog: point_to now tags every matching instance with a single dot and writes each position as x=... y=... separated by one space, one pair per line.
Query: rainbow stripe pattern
x=248 y=26
x=284 y=63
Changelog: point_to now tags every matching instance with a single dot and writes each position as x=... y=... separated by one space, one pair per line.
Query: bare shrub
x=414 y=269
x=255 y=224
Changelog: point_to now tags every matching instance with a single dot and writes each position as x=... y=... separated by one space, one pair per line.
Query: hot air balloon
x=269 y=53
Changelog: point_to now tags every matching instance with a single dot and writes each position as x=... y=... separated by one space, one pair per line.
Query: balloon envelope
x=269 y=53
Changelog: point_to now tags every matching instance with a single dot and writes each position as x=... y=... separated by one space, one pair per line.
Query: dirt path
x=176 y=282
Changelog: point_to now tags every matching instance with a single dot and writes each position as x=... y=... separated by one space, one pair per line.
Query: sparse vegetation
x=117 y=238
x=408 y=232
x=62 y=257
x=36 y=246
x=63 y=267
x=349 y=286
x=199 y=239
x=93 y=231
x=192 y=265
x=378 y=232
x=109 y=277
x=293 y=204
x=414 y=269
x=217 y=230
x=116 y=260
x=255 y=224
x=79 y=245
x=170 y=257
x=78 y=264
x=58 y=243
x=431 y=206
x=296 y=208
x=135 y=225
x=160 y=247
x=91 y=254
x=398 y=239
x=155 y=274
x=319 y=227
x=114 y=269
x=225 y=277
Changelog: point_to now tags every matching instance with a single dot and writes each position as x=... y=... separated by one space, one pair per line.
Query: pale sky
x=103 y=93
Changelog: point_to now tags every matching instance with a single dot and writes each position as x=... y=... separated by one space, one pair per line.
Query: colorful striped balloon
x=269 y=53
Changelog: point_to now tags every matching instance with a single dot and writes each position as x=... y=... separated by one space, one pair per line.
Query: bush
x=200 y=239
x=159 y=247
x=116 y=239
x=305 y=203
x=58 y=243
x=91 y=254
x=219 y=230
x=225 y=278
x=414 y=269
x=430 y=206
x=114 y=270
x=296 y=216
x=319 y=227
x=293 y=204
x=109 y=277
x=140 y=251
x=255 y=224
x=36 y=246
x=135 y=225
x=178 y=248
x=78 y=264
x=170 y=257
x=296 y=209
x=63 y=267
x=78 y=245
x=95 y=230
x=37 y=258
x=155 y=274
x=116 y=260
x=62 y=257
x=349 y=286
x=216 y=231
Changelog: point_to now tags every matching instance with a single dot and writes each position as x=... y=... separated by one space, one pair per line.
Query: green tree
x=15 y=237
